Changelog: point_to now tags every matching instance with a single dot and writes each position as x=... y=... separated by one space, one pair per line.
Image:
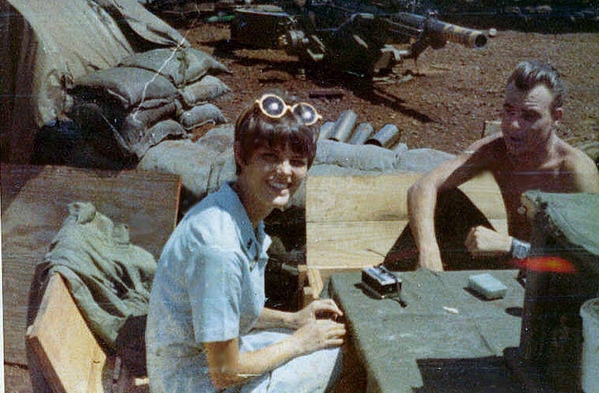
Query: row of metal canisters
x=346 y=130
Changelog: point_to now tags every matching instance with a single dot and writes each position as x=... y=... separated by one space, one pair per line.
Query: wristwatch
x=519 y=249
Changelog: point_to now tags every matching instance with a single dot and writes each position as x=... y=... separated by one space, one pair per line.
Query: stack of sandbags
x=203 y=165
x=150 y=96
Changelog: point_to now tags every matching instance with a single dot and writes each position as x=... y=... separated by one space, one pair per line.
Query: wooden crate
x=35 y=204
x=352 y=221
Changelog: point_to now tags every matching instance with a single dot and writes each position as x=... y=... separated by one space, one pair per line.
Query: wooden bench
x=352 y=221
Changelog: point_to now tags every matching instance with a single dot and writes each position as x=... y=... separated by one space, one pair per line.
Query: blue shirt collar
x=229 y=200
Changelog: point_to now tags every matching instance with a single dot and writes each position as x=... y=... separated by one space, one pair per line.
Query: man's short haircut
x=529 y=74
x=253 y=130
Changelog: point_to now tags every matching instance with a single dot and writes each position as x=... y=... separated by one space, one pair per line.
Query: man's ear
x=557 y=113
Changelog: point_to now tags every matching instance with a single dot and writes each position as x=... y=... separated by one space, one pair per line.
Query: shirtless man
x=527 y=155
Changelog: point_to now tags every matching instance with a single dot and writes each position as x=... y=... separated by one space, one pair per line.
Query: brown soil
x=441 y=102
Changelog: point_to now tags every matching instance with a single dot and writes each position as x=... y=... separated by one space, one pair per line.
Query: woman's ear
x=238 y=155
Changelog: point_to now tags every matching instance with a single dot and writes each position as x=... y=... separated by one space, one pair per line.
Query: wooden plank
x=34 y=206
x=71 y=358
x=384 y=197
x=308 y=295
x=357 y=198
x=17 y=379
x=500 y=224
x=352 y=221
x=315 y=281
x=350 y=244
x=484 y=192
x=37 y=198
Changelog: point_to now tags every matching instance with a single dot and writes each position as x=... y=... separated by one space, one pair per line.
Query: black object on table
x=446 y=339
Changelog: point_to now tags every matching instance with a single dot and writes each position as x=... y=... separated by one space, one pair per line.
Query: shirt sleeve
x=214 y=286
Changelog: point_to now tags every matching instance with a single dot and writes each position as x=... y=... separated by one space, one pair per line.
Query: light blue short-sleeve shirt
x=209 y=286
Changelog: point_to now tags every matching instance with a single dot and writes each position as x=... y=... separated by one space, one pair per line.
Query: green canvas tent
x=46 y=45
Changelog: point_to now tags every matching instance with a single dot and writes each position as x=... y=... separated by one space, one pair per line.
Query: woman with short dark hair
x=208 y=329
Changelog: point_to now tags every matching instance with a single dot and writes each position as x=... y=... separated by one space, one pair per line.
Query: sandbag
x=143 y=116
x=195 y=162
x=362 y=157
x=206 y=89
x=219 y=139
x=168 y=128
x=421 y=160
x=133 y=132
x=202 y=165
x=182 y=66
x=200 y=115
x=128 y=86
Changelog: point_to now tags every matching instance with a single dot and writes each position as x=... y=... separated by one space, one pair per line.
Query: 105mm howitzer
x=359 y=38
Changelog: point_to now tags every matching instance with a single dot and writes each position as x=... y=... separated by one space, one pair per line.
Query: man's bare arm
x=484 y=242
x=422 y=199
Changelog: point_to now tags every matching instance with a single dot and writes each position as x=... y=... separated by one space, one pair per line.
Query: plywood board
x=484 y=192
x=352 y=221
x=384 y=197
x=34 y=206
x=71 y=358
x=347 y=245
x=357 y=198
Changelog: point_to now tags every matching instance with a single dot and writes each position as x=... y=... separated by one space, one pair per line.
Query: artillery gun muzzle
x=457 y=34
x=442 y=31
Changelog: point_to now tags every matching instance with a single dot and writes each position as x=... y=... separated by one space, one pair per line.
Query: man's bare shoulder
x=579 y=166
x=487 y=151
x=575 y=159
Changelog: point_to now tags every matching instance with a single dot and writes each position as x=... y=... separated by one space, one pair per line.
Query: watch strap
x=520 y=249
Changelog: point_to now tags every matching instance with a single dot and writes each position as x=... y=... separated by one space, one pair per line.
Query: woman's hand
x=316 y=328
x=319 y=334
x=318 y=309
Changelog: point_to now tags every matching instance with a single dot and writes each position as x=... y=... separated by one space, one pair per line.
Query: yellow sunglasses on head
x=273 y=106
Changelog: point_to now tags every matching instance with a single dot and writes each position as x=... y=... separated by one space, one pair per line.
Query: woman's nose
x=284 y=167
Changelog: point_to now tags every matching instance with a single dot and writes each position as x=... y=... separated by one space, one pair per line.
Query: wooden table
x=446 y=339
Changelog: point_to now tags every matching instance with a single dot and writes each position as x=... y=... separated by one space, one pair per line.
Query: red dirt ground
x=442 y=102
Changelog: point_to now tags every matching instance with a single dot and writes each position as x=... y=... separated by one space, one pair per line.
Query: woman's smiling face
x=272 y=175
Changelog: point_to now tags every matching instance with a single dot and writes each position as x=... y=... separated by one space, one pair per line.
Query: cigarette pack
x=487 y=286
